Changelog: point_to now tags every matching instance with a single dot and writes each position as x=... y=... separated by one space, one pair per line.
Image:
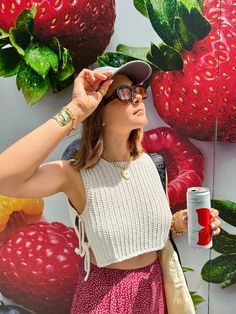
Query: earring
x=103 y=123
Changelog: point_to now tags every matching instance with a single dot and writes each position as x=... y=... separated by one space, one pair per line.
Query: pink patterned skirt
x=115 y=291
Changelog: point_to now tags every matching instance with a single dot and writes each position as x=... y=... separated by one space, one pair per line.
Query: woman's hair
x=91 y=143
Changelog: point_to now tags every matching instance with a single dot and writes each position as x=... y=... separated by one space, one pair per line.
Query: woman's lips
x=139 y=112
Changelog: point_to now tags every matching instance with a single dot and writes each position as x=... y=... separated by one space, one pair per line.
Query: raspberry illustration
x=39 y=268
x=184 y=162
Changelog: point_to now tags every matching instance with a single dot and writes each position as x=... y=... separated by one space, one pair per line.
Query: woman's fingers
x=215 y=222
x=104 y=88
x=214 y=213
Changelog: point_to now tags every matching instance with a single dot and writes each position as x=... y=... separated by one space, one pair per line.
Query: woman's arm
x=22 y=173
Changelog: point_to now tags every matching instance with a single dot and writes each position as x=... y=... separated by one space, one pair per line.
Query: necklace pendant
x=125 y=174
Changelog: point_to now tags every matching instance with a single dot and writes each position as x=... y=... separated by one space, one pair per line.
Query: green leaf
x=186 y=269
x=9 y=62
x=200 y=26
x=185 y=37
x=25 y=21
x=225 y=243
x=114 y=59
x=57 y=86
x=165 y=58
x=162 y=15
x=197 y=299
x=183 y=27
x=66 y=72
x=4 y=38
x=19 y=39
x=33 y=86
x=135 y=52
x=192 y=3
x=140 y=5
x=3 y=34
x=227 y=210
x=222 y=270
x=66 y=57
x=41 y=59
x=55 y=45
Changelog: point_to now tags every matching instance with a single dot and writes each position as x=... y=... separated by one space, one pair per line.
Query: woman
x=116 y=199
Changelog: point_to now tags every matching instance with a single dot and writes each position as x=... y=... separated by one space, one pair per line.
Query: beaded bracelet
x=64 y=116
x=172 y=226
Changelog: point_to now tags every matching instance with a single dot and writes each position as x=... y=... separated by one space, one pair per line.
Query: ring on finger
x=102 y=91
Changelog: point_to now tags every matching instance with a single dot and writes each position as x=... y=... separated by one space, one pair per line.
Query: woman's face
x=123 y=116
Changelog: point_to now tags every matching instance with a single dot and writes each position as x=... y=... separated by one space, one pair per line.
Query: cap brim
x=137 y=71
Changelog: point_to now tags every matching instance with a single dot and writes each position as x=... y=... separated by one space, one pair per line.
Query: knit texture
x=124 y=218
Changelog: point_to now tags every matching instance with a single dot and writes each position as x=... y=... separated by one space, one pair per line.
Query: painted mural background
x=212 y=161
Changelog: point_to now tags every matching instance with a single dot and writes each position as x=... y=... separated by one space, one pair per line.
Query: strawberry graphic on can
x=199 y=217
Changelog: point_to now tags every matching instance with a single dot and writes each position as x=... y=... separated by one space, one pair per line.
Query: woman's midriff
x=136 y=262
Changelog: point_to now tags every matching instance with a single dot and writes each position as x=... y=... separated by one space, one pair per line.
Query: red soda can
x=199 y=217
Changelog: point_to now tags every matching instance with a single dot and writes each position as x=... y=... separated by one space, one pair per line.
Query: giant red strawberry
x=200 y=101
x=83 y=26
x=184 y=162
x=39 y=268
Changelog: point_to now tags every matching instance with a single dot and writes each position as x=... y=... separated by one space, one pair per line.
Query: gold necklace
x=124 y=170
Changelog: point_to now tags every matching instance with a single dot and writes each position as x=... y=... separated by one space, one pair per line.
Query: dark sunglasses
x=127 y=93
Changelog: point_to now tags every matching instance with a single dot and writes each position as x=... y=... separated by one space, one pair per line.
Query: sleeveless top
x=122 y=218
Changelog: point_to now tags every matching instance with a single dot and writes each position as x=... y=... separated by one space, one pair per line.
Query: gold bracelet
x=65 y=116
x=172 y=226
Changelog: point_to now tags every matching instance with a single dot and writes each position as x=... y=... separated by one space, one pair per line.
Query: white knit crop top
x=122 y=218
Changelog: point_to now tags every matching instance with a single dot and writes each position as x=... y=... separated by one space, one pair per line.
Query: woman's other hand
x=181 y=221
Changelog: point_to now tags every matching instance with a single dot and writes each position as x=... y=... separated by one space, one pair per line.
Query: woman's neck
x=116 y=147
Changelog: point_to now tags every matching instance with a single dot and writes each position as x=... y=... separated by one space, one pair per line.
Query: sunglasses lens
x=125 y=94
x=141 y=91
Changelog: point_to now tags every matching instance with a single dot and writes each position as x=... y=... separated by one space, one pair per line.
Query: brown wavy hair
x=91 y=143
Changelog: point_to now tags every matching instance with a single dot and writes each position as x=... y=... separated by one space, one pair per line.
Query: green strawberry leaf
x=135 y=52
x=9 y=62
x=162 y=16
x=225 y=243
x=197 y=299
x=33 y=86
x=114 y=59
x=25 y=21
x=185 y=37
x=57 y=86
x=140 y=5
x=3 y=34
x=41 y=59
x=66 y=57
x=66 y=72
x=165 y=57
x=183 y=27
x=222 y=270
x=193 y=3
x=200 y=26
x=19 y=40
x=55 y=45
x=4 y=38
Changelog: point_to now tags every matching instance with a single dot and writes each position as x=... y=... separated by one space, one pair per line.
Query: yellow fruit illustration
x=10 y=205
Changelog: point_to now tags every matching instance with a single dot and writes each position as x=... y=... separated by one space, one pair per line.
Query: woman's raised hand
x=89 y=89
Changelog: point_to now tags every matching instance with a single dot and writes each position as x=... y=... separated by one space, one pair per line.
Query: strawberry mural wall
x=191 y=46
